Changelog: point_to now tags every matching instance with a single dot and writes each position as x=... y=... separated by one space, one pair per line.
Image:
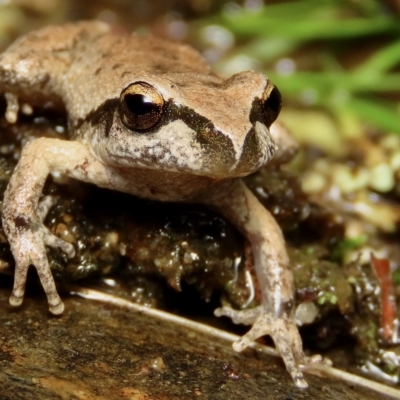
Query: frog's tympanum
x=147 y=117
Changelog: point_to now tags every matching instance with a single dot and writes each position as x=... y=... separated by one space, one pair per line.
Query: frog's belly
x=160 y=185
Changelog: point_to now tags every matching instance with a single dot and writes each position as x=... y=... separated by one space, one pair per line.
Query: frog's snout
x=258 y=149
x=229 y=156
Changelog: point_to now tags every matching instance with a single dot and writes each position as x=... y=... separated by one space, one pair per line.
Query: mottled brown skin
x=208 y=134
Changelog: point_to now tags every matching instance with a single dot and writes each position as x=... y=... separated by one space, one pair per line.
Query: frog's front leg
x=274 y=316
x=23 y=215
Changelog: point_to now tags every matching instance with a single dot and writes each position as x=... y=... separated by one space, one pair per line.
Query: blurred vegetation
x=338 y=61
x=340 y=56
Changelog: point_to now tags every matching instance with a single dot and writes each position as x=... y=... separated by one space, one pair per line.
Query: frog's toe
x=16 y=301
x=300 y=382
x=66 y=247
x=246 y=317
x=41 y=263
x=58 y=308
x=55 y=242
x=256 y=331
x=288 y=343
x=242 y=343
x=18 y=291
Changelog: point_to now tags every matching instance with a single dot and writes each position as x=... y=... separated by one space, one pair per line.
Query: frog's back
x=80 y=65
x=112 y=62
x=33 y=66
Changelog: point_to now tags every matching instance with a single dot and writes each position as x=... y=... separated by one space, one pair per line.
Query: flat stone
x=98 y=350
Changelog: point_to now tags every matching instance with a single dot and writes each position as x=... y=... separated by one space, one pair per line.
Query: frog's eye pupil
x=141 y=106
x=272 y=104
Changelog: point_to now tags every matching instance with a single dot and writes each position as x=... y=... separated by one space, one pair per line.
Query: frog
x=148 y=117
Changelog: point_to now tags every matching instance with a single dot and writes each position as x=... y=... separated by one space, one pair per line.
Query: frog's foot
x=29 y=249
x=283 y=331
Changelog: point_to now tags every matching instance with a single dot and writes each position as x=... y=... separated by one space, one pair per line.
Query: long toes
x=17 y=294
x=67 y=248
x=287 y=350
x=256 y=331
x=55 y=242
x=222 y=312
x=229 y=312
x=318 y=359
x=46 y=279
x=246 y=317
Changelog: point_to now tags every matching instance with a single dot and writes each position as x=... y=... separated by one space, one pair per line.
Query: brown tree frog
x=147 y=117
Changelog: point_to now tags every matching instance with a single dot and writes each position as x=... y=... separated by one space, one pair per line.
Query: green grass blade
x=310 y=29
x=382 y=60
x=384 y=116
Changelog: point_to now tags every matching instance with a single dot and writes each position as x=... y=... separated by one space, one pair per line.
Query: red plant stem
x=389 y=321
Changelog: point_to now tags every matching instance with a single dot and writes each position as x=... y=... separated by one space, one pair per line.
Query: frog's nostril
x=271 y=104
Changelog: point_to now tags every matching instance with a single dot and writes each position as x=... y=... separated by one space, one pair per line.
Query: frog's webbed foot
x=283 y=331
x=28 y=247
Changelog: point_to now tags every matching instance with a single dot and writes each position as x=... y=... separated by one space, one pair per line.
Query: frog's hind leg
x=275 y=315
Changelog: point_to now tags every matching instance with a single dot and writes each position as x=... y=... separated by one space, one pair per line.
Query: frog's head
x=192 y=123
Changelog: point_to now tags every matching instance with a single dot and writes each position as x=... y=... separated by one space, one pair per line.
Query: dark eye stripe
x=218 y=148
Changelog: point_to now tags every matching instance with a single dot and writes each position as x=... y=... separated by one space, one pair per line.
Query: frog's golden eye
x=271 y=103
x=141 y=106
